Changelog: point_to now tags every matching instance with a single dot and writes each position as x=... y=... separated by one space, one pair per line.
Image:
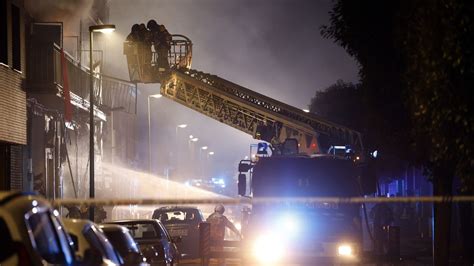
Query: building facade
x=13 y=114
x=44 y=51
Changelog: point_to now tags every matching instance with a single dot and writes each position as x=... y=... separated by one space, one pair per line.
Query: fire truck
x=293 y=162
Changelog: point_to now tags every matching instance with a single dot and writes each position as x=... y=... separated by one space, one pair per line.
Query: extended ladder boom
x=256 y=114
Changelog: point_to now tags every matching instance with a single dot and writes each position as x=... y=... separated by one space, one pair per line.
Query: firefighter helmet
x=220 y=209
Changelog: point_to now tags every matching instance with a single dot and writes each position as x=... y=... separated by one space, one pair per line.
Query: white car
x=90 y=243
x=31 y=232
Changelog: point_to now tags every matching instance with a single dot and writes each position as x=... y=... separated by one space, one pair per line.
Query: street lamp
x=106 y=28
x=156 y=96
x=204 y=147
x=178 y=146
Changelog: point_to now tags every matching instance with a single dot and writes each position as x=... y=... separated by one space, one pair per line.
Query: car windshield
x=46 y=239
x=142 y=230
x=122 y=242
x=97 y=239
x=177 y=216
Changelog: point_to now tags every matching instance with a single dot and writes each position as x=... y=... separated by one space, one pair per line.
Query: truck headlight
x=268 y=249
x=345 y=250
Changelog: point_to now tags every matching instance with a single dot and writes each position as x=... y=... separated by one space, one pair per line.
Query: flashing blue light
x=290 y=223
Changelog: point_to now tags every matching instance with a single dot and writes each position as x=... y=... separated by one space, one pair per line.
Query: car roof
x=113 y=227
x=177 y=208
x=137 y=221
x=76 y=225
x=6 y=196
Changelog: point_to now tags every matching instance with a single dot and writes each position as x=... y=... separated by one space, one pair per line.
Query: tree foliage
x=417 y=70
x=440 y=77
x=366 y=30
x=334 y=101
x=416 y=67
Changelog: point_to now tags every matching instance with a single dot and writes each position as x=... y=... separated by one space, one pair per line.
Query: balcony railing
x=45 y=76
x=144 y=62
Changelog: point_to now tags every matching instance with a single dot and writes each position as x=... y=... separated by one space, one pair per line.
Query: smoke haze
x=272 y=47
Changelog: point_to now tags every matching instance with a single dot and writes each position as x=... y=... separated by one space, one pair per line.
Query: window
x=180 y=216
x=16 y=40
x=99 y=241
x=140 y=231
x=45 y=238
x=3 y=33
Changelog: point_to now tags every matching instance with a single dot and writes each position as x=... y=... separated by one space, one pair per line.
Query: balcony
x=45 y=78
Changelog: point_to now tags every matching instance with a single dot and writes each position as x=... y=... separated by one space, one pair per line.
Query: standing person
x=155 y=38
x=163 y=48
x=144 y=51
x=382 y=216
x=218 y=223
x=131 y=51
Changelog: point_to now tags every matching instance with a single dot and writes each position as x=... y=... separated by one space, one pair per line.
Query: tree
x=335 y=101
x=347 y=104
x=416 y=67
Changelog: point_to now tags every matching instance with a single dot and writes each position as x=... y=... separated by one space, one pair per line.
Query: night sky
x=271 y=46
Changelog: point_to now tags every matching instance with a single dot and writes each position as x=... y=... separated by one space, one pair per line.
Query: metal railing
x=45 y=76
x=145 y=64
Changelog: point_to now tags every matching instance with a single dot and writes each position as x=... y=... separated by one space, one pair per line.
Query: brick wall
x=12 y=107
x=12 y=94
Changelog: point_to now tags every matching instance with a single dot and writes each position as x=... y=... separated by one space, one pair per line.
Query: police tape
x=263 y=200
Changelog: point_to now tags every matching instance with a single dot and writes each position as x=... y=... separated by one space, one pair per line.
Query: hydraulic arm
x=253 y=113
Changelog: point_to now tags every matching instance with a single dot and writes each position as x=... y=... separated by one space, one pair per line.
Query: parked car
x=154 y=241
x=183 y=223
x=31 y=232
x=90 y=243
x=124 y=244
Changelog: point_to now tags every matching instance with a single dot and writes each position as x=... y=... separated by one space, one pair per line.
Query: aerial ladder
x=260 y=116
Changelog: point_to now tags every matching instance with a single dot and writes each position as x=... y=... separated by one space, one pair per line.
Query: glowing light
x=290 y=224
x=211 y=153
x=35 y=210
x=268 y=249
x=374 y=154
x=204 y=147
x=238 y=226
x=56 y=213
x=194 y=139
x=34 y=203
x=156 y=96
x=182 y=126
x=191 y=136
x=344 y=250
x=306 y=110
x=106 y=28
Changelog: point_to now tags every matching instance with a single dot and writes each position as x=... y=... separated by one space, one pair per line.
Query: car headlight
x=268 y=249
x=345 y=250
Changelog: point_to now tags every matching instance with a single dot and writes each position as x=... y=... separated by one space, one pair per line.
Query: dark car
x=183 y=223
x=31 y=232
x=124 y=244
x=91 y=244
x=154 y=241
